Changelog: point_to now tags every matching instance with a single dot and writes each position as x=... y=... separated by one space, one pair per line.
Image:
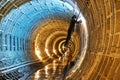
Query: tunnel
x=33 y=33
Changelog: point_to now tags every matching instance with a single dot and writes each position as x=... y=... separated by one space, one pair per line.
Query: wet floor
x=52 y=71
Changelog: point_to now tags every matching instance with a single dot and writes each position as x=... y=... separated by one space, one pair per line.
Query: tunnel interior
x=32 y=34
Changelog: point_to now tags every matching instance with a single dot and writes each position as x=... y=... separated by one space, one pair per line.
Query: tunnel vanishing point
x=33 y=33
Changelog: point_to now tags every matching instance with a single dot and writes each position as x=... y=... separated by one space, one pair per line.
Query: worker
x=68 y=54
x=70 y=30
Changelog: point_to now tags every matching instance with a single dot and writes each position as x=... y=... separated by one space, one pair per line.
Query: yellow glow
x=45 y=38
x=37 y=52
x=46 y=69
x=47 y=52
x=36 y=77
x=54 y=51
x=54 y=64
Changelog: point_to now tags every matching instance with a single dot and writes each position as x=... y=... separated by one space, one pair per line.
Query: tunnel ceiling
x=102 y=17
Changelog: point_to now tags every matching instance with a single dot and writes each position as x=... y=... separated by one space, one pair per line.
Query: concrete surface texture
x=34 y=31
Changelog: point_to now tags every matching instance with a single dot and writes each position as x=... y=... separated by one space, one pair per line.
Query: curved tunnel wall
x=103 y=56
x=103 y=59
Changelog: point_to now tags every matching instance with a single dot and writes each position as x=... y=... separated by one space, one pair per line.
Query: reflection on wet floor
x=52 y=71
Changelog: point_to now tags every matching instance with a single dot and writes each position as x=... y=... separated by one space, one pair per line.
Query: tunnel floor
x=53 y=71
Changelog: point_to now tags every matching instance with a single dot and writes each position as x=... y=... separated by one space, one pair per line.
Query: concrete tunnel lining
x=103 y=59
